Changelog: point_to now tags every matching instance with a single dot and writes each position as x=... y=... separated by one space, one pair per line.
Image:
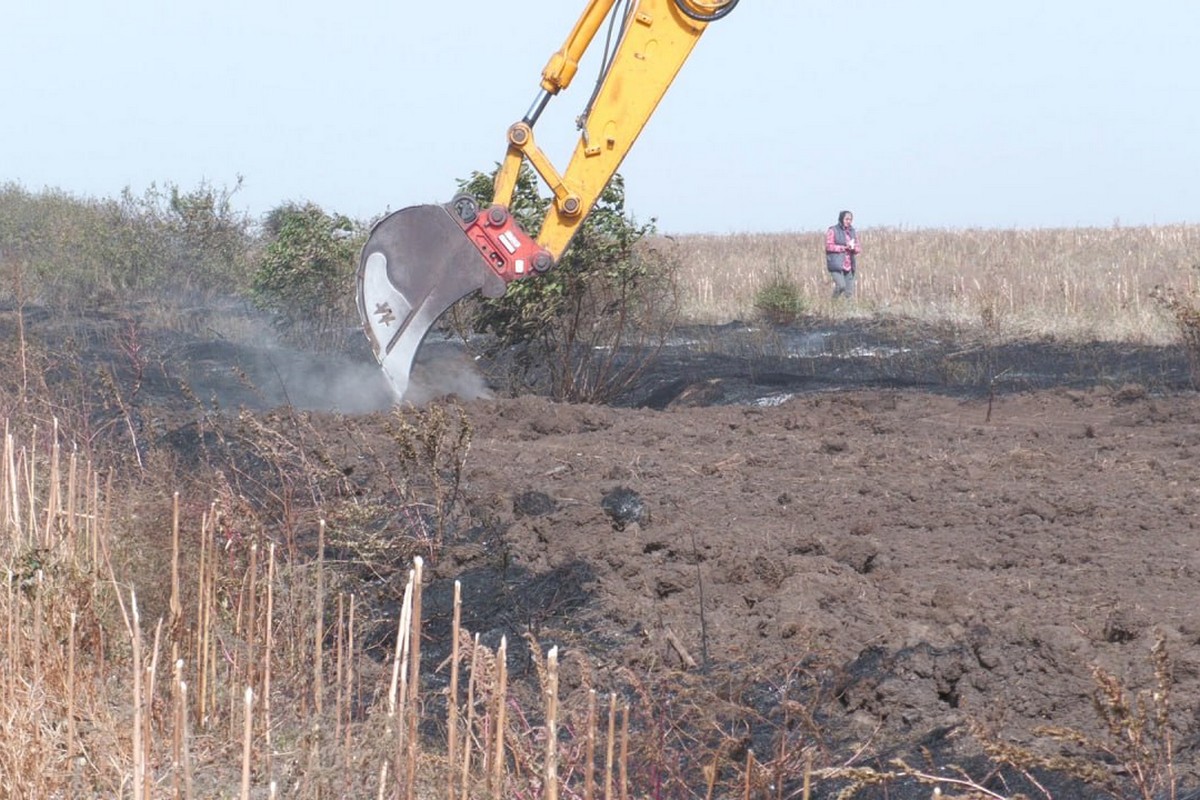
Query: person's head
x=845 y=219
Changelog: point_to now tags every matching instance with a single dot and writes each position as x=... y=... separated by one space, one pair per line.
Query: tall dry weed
x=1182 y=307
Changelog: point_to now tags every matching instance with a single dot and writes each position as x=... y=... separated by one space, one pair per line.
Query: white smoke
x=340 y=383
x=240 y=360
x=445 y=372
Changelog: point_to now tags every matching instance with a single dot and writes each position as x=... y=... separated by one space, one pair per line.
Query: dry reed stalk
x=232 y=675
x=623 y=764
x=95 y=526
x=148 y=703
x=202 y=611
x=185 y=738
x=746 y=778
x=72 y=738
x=175 y=607
x=72 y=491
x=394 y=700
x=31 y=488
x=487 y=681
x=452 y=695
x=211 y=605
x=414 y=682
x=35 y=646
x=11 y=507
x=501 y=702
x=680 y=650
x=552 y=724
x=105 y=518
x=13 y=638
x=779 y=762
x=177 y=711
x=710 y=771
x=403 y=643
x=139 y=767
x=247 y=738
x=318 y=670
x=589 y=774
x=251 y=633
x=319 y=626
x=211 y=602
x=349 y=692
x=52 y=498
x=610 y=746
x=268 y=651
x=339 y=665
x=76 y=519
x=470 y=726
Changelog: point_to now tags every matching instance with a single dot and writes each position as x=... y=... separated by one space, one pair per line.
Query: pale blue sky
x=927 y=113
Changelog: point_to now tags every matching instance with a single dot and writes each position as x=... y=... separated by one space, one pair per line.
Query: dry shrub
x=1183 y=309
x=1134 y=756
x=433 y=444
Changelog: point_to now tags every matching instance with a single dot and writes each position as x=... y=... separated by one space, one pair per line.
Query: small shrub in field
x=305 y=275
x=432 y=446
x=781 y=301
x=590 y=324
x=213 y=240
x=1184 y=311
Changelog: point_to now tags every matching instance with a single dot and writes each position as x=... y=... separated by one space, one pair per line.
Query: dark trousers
x=843 y=283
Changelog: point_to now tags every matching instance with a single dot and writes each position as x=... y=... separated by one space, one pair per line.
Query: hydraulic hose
x=700 y=16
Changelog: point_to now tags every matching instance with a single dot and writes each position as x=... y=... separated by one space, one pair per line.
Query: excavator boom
x=420 y=261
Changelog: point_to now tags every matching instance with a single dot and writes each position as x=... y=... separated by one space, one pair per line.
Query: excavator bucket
x=420 y=261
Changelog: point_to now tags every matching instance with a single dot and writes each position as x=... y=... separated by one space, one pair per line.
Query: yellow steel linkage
x=657 y=38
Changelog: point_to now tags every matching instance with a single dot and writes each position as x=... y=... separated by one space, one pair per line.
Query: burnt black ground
x=743 y=363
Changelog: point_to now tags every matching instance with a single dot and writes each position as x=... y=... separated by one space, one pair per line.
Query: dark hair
x=842 y=217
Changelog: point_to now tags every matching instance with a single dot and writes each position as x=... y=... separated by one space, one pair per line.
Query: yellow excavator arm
x=421 y=260
x=657 y=37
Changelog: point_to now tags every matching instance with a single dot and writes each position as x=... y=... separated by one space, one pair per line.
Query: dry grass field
x=1085 y=283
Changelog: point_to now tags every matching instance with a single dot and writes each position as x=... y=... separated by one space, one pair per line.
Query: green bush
x=781 y=301
x=63 y=250
x=587 y=329
x=305 y=274
x=212 y=242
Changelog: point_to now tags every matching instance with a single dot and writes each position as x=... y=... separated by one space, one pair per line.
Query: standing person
x=841 y=247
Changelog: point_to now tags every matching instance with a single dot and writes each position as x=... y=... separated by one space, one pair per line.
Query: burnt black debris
x=623 y=505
